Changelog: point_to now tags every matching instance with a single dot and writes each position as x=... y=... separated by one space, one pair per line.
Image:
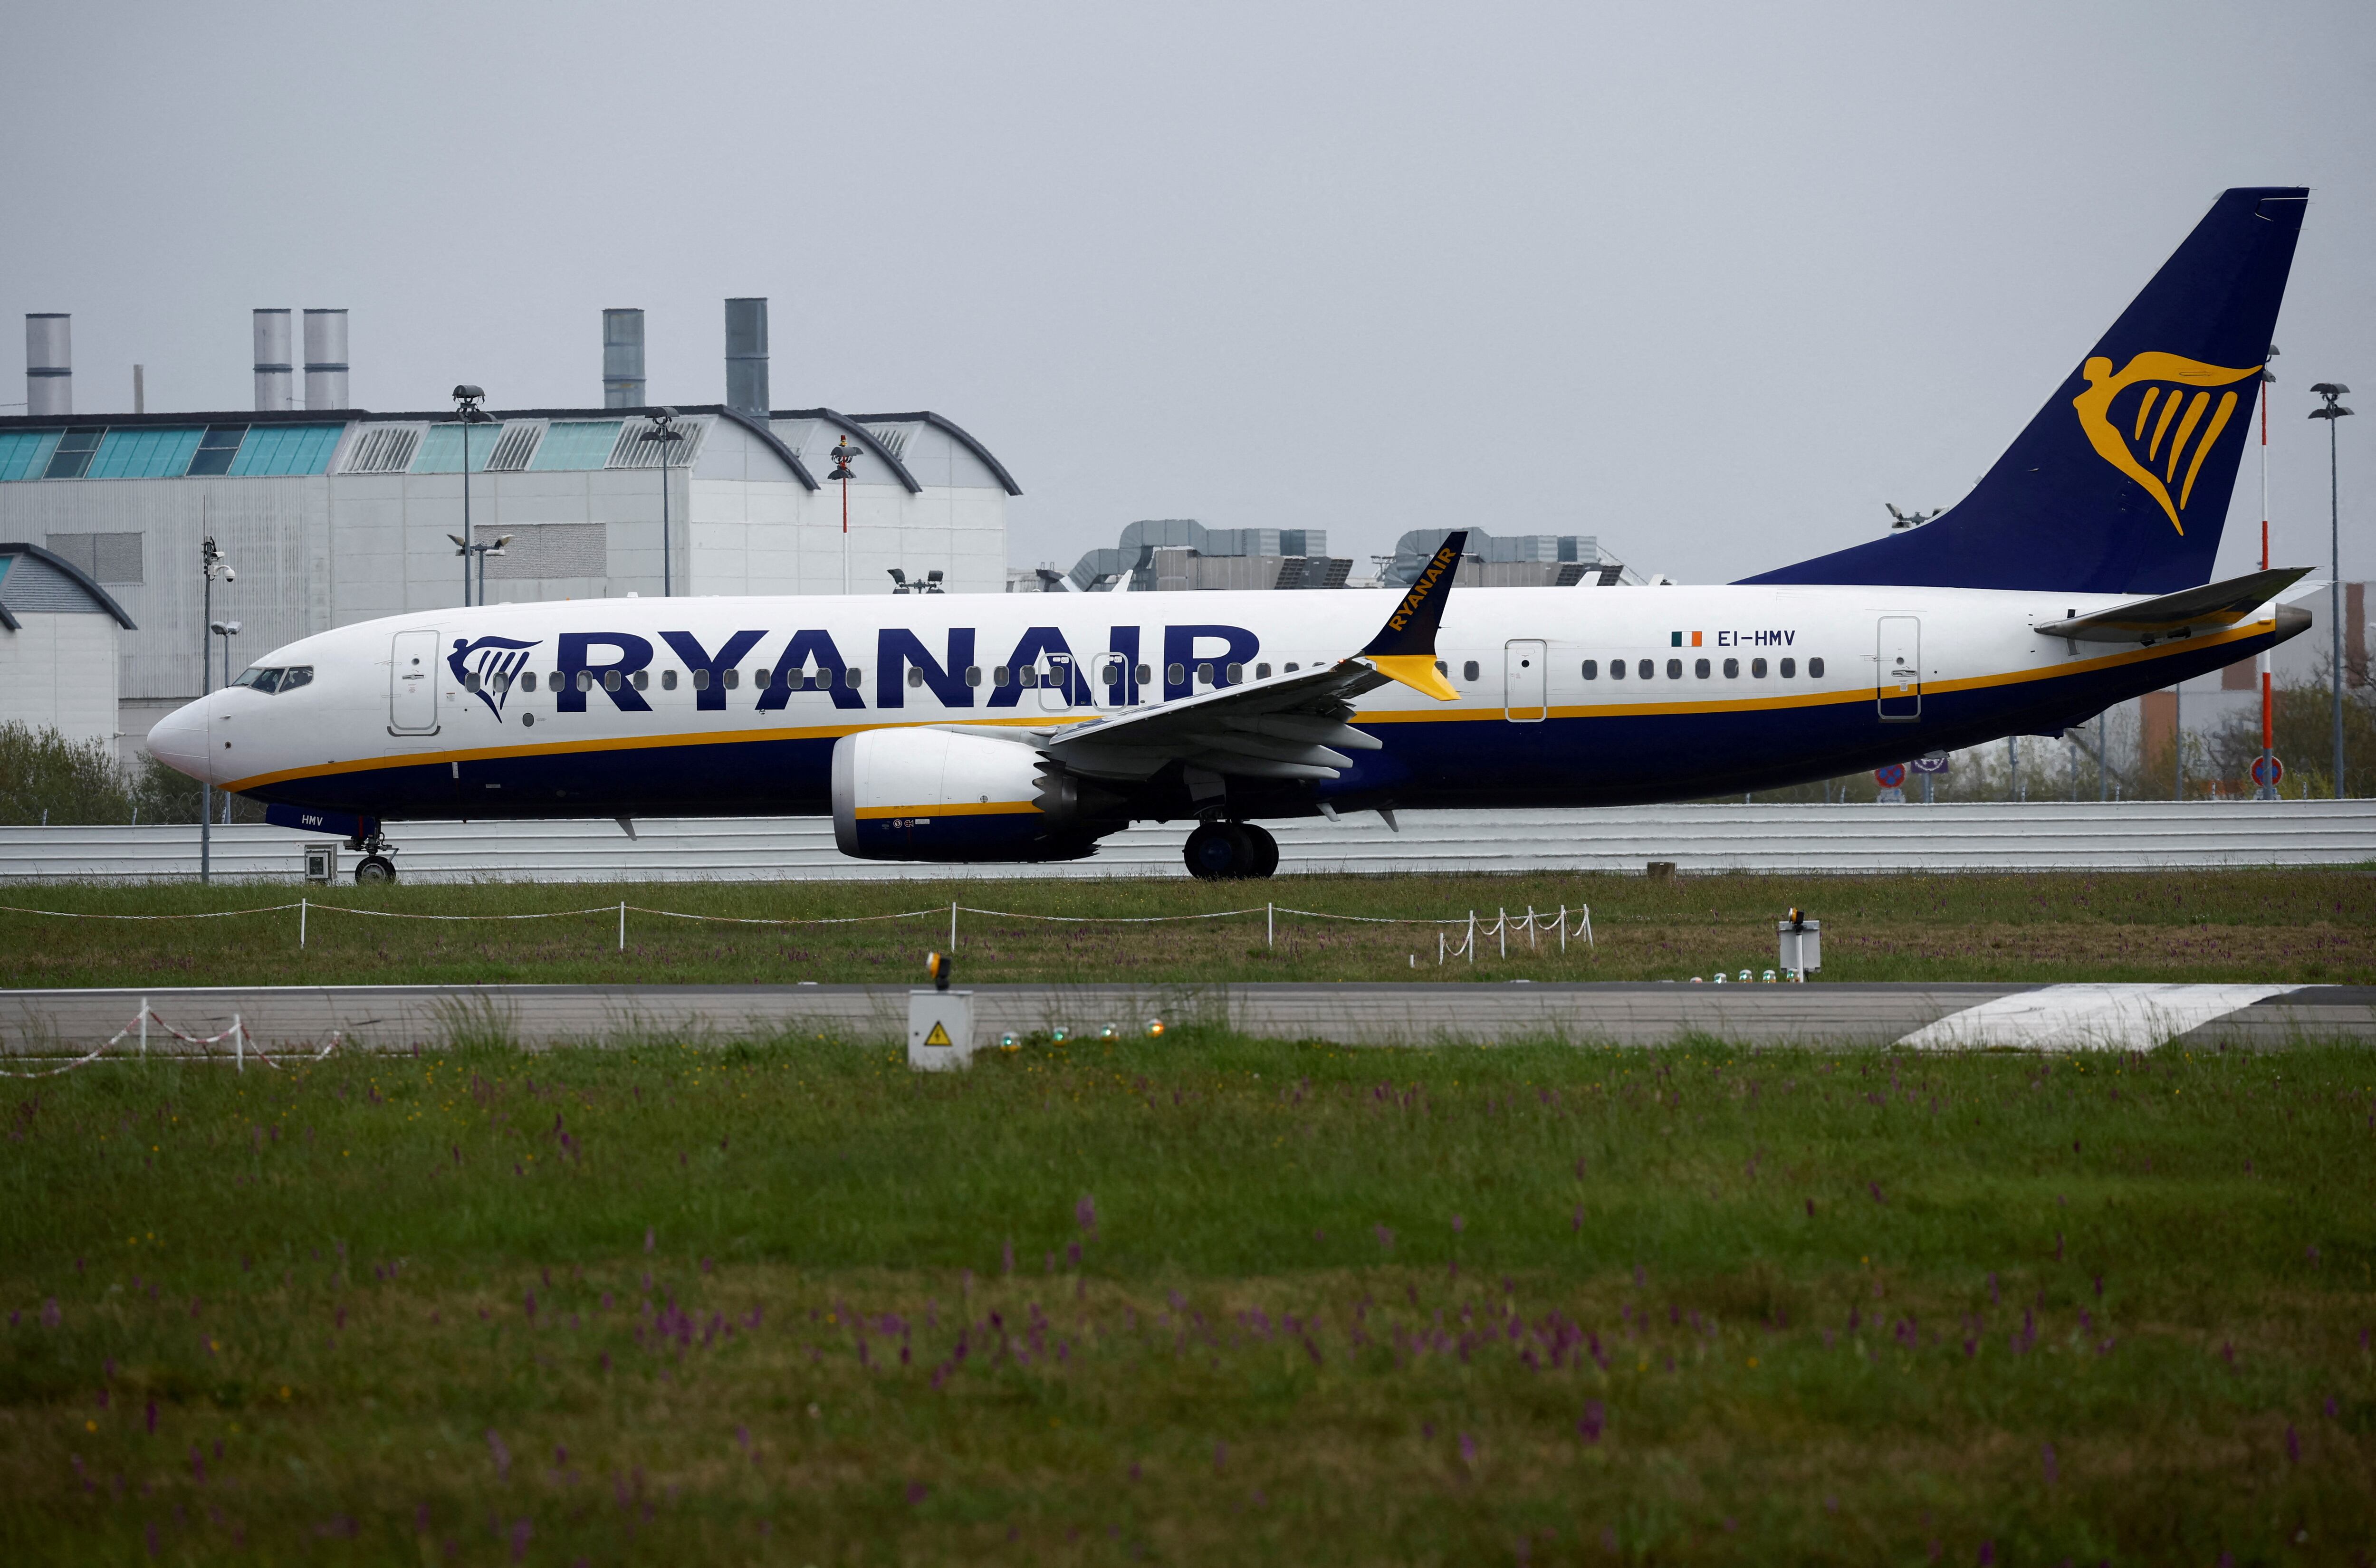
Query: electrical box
x=1802 y=946
x=321 y=862
x=940 y=1030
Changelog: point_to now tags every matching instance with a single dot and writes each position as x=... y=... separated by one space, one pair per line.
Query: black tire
x=374 y=870
x=1265 y=851
x=1219 y=851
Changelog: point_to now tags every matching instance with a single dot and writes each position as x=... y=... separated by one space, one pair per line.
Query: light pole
x=2332 y=412
x=211 y=566
x=664 y=431
x=482 y=549
x=842 y=454
x=2264 y=666
x=467 y=399
x=225 y=630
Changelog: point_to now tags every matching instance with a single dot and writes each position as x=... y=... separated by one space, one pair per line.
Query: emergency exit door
x=413 y=684
x=1525 y=683
x=1898 y=673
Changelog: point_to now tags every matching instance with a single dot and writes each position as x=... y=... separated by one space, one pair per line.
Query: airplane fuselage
x=1566 y=696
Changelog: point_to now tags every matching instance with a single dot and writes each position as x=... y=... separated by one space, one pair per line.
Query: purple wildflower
x=1084 y=1214
x=1387 y=1240
x=2293 y=1444
x=503 y=1455
x=1593 y=1420
x=1458 y=1225
x=917 y=1492
x=1468 y=1450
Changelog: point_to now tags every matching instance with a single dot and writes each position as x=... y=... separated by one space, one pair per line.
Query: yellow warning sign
x=938 y=1037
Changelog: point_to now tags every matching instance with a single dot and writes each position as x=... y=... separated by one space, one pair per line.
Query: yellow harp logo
x=2164 y=415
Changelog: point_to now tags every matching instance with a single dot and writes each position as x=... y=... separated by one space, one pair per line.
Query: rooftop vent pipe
x=325 y=359
x=747 y=357
x=275 y=388
x=49 y=362
x=623 y=359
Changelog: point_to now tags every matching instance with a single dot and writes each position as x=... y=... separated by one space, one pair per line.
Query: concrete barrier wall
x=2041 y=836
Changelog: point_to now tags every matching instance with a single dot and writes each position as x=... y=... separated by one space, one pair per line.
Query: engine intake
x=934 y=795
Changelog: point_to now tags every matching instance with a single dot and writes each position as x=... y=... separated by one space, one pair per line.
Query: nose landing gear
x=1230 y=851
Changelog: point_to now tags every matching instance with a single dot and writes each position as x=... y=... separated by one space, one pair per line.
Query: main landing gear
x=374 y=867
x=1230 y=851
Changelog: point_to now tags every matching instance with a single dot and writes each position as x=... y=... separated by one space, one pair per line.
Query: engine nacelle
x=931 y=795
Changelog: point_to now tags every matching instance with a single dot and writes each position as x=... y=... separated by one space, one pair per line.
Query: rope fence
x=243 y=1044
x=1535 y=926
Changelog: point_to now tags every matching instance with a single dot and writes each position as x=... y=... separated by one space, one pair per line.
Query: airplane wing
x=2214 y=607
x=1289 y=727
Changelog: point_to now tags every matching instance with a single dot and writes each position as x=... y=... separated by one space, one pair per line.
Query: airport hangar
x=332 y=514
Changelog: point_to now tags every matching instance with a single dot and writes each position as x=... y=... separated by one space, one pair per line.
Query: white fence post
x=952 y=926
x=144 y=1026
x=1472 y=937
x=1270 y=925
x=622 y=925
x=301 y=922
x=238 y=1044
x=1501 y=931
x=1562 y=928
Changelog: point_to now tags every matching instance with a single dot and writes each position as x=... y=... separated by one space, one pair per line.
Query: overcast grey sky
x=1711 y=282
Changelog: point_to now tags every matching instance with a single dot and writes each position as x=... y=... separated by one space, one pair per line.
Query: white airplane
x=1026 y=728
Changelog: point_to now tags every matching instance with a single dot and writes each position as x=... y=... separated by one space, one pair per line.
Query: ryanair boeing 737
x=1028 y=727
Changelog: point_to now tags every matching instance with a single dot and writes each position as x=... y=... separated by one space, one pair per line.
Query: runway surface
x=1946 y=1016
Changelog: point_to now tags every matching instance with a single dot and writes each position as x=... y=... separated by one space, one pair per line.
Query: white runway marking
x=2088 y=1018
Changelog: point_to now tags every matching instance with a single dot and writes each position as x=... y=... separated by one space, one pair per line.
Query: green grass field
x=1200 y=1301
x=2253 y=925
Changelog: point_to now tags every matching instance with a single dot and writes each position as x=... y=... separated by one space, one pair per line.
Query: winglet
x=1403 y=649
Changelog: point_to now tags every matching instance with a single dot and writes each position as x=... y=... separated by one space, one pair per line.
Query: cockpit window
x=259 y=679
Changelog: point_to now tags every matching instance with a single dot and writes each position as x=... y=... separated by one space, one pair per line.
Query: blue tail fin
x=2121 y=483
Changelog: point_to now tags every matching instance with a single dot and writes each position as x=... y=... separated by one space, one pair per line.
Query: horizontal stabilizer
x=2212 y=608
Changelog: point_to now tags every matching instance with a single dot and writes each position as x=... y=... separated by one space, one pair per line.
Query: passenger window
x=701 y=680
x=1145 y=674
x=1261 y=671
x=734 y=679
x=1293 y=667
x=1175 y=673
x=470 y=681
x=973 y=674
x=1732 y=670
x=528 y=680
x=1645 y=668
x=1790 y=668
x=610 y=679
x=1674 y=670
x=1205 y=674
x=1236 y=674
x=1442 y=668
x=643 y=680
x=1001 y=675
x=1700 y=669
x=915 y=679
x=1591 y=670
x=1814 y=669
x=851 y=676
x=667 y=680
x=1468 y=670
x=1757 y=667
x=1027 y=677
x=1617 y=670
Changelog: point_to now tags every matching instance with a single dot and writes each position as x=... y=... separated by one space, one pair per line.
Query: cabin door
x=413 y=684
x=1898 y=673
x=1523 y=682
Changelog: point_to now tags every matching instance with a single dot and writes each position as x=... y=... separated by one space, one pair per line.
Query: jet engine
x=935 y=795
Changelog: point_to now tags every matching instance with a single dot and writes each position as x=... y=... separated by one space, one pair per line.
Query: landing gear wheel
x=374 y=870
x=1219 y=851
x=1265 y=848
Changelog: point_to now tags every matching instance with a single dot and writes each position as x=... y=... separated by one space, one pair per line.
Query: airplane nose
x=179 y=740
